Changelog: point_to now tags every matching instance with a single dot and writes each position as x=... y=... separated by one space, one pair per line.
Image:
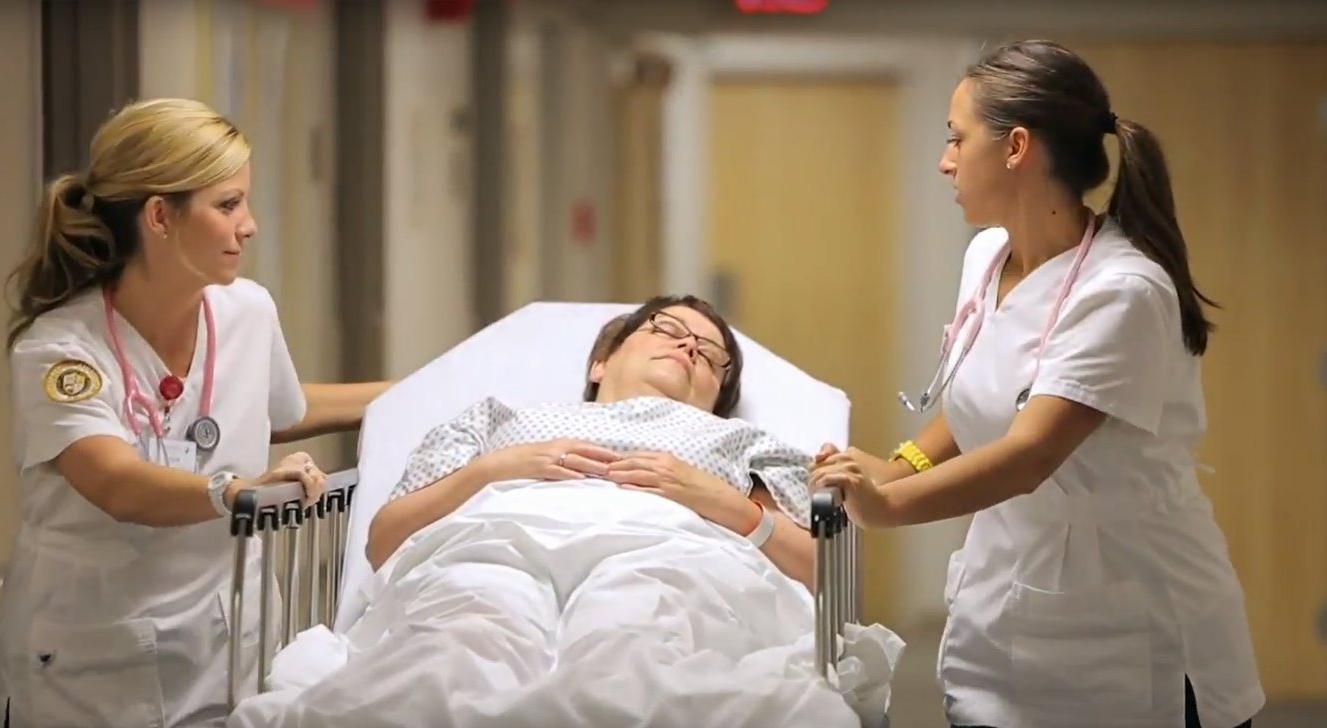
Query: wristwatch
x=216 y=490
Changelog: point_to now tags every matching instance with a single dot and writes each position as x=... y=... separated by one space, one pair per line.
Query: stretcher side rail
x=836 y=574
x=264 y=512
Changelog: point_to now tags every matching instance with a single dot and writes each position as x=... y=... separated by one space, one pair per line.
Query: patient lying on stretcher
x=660 y=382
x=585 y=565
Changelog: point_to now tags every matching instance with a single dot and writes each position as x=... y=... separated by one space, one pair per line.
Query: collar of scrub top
x=133 y=396
x=976 y=307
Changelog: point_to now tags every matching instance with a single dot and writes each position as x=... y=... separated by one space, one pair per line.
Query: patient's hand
x=564 y=459
x=677 y=480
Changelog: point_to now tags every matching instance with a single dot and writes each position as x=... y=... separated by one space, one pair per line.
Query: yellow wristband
x=913 y=455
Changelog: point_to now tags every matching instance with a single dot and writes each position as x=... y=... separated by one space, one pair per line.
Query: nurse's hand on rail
x=848 y=471
x=297 y=466
x=564 y=459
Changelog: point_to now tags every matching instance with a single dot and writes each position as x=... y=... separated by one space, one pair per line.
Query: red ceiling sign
x=781 y=7
x=449 y=10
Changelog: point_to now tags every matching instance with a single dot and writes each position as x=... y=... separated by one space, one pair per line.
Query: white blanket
x=576 y=604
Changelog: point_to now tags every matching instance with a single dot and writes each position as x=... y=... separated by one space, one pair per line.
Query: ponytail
x=1047 y=88
x=1144 y=207
x=75 y=250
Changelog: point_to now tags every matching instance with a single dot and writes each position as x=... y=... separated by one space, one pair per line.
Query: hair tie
x=78 y=195
x=1108 y=122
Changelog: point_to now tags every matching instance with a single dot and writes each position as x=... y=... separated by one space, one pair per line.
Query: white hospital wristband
x=762 y=533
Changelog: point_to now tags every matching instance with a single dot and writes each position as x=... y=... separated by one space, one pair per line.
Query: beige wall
x=578 y=267
x=427 y=184
x=305 y=269
x=167 y=59
x=524 y=164
x=20 y=147
x=559 y=154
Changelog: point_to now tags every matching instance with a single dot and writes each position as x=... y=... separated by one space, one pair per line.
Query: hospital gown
x=733 y=450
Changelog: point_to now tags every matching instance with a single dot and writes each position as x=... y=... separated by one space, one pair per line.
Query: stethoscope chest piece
x=205 y=433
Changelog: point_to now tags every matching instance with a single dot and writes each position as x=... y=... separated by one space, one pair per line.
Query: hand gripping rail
x=279 y=508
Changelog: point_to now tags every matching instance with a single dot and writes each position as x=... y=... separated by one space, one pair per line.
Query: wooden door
x=802 y=219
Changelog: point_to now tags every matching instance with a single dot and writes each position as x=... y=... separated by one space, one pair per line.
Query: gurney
x=314 y=557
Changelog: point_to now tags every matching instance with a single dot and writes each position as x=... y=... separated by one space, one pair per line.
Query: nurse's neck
x=1043 y=226
x=162 y=308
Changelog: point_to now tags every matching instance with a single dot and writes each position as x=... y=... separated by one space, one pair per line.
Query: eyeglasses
x=671 y=326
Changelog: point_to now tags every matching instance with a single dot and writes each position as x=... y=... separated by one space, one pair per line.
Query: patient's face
x=651 y=360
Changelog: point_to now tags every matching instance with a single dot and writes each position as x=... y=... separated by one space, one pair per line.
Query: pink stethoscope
x=204 y=432
x=976 y=306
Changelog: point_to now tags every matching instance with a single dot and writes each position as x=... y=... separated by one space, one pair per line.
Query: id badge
x=177 y=454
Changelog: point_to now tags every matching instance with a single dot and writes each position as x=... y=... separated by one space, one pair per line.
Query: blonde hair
x=88 y=222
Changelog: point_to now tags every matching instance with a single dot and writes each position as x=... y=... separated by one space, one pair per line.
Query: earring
x=1008 y=165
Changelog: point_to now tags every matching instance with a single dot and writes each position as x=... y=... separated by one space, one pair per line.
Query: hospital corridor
x=684 y=363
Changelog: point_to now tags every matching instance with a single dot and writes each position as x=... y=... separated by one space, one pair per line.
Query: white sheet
x=576 y=603
x=535 y=355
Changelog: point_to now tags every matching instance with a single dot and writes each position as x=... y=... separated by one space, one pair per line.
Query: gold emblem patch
x=72 y=381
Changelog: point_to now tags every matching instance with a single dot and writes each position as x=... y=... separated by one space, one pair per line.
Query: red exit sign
x=782 y=7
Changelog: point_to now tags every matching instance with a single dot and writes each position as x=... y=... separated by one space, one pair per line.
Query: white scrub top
x=1088 y=601
x=117 y=624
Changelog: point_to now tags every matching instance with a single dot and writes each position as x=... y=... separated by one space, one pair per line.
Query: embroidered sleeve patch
x=72 y=381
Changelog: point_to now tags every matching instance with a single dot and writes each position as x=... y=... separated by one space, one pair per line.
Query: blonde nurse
x=149 y=381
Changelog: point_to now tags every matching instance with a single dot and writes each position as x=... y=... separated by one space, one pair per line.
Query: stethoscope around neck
x=975 y=307
x=204 y=432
